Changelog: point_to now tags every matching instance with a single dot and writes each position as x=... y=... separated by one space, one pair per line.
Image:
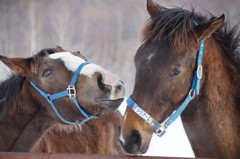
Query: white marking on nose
x=72 y=62
x=111 y=79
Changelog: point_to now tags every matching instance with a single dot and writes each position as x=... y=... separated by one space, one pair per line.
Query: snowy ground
x=173 y=144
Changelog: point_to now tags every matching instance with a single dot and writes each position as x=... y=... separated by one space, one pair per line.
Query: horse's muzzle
x=132 y=143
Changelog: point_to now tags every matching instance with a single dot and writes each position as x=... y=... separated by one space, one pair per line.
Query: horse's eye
x=175 y=72
x=47 y=72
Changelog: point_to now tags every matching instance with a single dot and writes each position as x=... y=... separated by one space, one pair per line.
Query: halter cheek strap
x=160 y=128
x=71 y=93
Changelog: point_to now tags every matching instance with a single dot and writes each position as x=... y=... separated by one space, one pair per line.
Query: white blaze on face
x=72 y=62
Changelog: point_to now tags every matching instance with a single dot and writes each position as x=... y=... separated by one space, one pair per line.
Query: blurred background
x=107 y=32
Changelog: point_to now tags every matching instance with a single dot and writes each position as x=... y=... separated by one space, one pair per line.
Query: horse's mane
x=12 y=86
x=10 y=90
x=175 y=24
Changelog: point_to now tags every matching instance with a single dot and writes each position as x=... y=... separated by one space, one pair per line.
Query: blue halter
x=160 y=129
x=71 y=93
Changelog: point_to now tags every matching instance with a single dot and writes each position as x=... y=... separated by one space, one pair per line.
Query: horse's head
x=96 y=90
x=165 y=65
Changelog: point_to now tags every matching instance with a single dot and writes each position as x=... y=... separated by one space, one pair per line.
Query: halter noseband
x=160 y=128
x=71 y=93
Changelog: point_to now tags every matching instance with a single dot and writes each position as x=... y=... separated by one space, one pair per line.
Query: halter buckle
x=161 y=130
x=71 y=91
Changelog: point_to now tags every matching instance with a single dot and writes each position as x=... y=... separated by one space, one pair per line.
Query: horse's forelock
x=35 y=61
x=174 y=24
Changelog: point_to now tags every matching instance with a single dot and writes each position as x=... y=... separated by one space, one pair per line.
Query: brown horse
x=172 y=65
x=54 y=86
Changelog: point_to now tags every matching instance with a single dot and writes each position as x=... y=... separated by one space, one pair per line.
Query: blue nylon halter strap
x=71 y=93
x=160 y=129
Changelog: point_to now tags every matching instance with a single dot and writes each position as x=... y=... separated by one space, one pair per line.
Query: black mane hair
x=10 y=90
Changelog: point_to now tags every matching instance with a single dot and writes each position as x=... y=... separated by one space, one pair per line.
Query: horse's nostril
x=133 y=143
x=107 y=88
x=102 y=86
x=136 y=137
x=119 y=87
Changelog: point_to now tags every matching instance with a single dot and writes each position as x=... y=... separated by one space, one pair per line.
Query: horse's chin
x=134 y=152
x=110 y=104
x=104 y=106
x=139 y=152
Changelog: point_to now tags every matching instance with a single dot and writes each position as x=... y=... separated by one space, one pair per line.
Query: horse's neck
x=21 y=128
x=95 y=136
x=33 y=132
x=212 y=120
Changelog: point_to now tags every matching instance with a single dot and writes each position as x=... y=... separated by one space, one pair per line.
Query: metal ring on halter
x=192 y=93
x=161 y=130
x=49 y=97
x=71 y=91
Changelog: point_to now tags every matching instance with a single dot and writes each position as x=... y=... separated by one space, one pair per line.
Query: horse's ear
x=153 y=8
x=81 y=55
x=60 y=49
x=205 y=29
x=18 y=65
